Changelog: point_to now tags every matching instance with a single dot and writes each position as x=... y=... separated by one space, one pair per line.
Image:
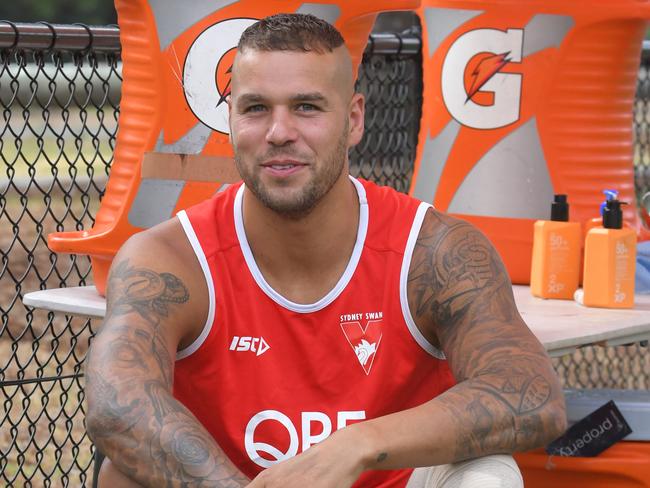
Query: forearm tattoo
x=149 y=435
x=458 y=283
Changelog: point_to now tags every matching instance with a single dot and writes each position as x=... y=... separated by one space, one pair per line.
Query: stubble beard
x=300 y=203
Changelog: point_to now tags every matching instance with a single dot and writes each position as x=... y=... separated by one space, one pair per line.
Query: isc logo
x=254 y=344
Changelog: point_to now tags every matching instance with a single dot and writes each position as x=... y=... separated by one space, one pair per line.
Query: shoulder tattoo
x=453 y=265
x=143 y=291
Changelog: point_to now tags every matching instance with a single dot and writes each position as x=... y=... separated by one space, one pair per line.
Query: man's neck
x=302 y=259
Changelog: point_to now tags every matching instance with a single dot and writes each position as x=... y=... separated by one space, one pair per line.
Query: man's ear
x=356 y=114
x=229 y=102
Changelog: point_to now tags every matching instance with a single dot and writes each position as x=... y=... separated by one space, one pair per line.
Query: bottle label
x=559 y=248
x=621 y=272
x=554 y=286
x=558 y=242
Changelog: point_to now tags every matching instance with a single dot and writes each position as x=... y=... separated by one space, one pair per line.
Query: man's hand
x=337 y=461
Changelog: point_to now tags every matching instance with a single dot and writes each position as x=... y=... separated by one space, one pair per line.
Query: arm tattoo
x=144 y=291
x=458 y=283
x=452 y=267
x=148 y=434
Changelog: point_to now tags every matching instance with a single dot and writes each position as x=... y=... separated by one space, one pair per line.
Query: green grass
x=47 y=157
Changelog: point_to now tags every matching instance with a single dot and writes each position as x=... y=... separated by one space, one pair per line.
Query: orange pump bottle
x=598 y=221
x=610 y=262
x=556 y=254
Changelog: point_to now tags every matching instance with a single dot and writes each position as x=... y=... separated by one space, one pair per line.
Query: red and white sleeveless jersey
x=269 y=377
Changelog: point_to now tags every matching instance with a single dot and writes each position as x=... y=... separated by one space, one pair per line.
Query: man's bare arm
x=132 y=416
x=508 y=397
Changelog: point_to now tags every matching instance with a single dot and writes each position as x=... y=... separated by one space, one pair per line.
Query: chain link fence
x=59 y=96
x=642 y=131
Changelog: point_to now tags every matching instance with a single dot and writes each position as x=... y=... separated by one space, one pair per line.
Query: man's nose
x=282 y=129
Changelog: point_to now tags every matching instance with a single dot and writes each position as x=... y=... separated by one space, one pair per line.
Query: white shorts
x=496 y=471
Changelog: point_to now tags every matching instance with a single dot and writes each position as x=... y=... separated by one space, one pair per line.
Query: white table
x=561 y=325
x=564 y=325
x=78 y=300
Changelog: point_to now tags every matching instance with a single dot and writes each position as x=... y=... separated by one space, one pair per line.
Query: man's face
x=292 y=119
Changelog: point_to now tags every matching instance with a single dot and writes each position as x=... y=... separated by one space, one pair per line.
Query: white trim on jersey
x=345 y=277
x=403 y=283
x=200 y=255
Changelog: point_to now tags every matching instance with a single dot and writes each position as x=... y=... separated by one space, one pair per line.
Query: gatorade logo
x=314 y=426
x=475 y=91
x=206 y=73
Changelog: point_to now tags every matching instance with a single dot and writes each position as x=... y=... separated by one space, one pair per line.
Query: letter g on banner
x=206 y=63
x=253 y=449
x=458 y=87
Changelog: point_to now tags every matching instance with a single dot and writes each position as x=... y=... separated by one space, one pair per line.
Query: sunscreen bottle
x=610 y=261
x=556 y=254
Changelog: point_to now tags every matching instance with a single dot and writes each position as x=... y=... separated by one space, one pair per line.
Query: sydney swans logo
x=364 y=340
x=207 y=70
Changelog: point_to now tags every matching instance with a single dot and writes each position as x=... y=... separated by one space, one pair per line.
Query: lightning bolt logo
x=223 y=75
x=226 y=89
x=485 y=70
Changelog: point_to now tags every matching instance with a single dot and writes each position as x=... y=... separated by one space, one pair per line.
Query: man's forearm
x=508 y=398
x=469 y=420
x=158 y=442
x=499 y=411
x=153 y=438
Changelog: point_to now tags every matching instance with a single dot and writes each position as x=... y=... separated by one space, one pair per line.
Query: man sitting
x=306 y=328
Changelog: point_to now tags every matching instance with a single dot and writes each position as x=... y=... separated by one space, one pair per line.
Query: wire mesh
x=642 y=133
x=59 y=119
x=390 y=77
x=59 y=97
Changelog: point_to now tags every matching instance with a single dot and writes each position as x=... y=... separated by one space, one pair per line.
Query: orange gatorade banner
x=176 y=68
x=524 y=100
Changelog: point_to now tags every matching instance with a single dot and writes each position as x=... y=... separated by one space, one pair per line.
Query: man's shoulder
x=163 y=248
x=440 y=225
x=164 y=238
x=156 y=268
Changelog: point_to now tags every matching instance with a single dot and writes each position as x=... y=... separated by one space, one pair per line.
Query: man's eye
x=307 y=107
x=254 y=108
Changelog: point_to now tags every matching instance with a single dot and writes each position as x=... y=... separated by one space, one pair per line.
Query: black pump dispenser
x=560 y=209
x=613 y=215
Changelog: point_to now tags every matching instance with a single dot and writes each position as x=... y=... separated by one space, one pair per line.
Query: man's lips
x=282 y=167
x=279 y=163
